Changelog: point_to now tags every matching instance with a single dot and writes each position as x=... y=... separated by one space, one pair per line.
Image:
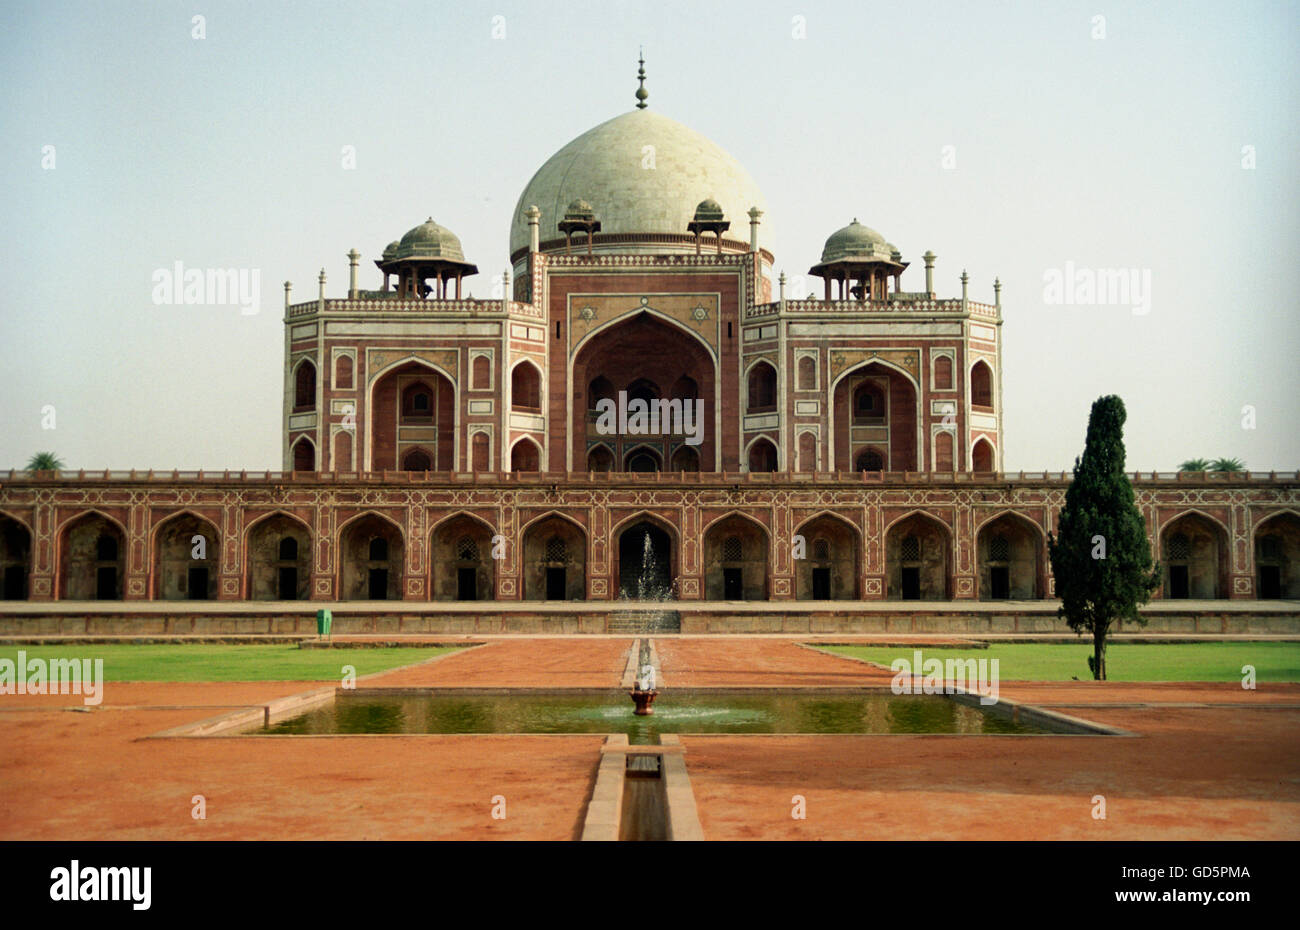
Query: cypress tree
x=1101 y=559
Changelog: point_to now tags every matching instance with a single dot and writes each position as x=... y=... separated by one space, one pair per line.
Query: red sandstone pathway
x=714 y=663
x=1193 y=772
x=519 y=663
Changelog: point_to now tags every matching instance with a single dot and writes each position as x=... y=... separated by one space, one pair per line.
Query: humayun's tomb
x=448 y=453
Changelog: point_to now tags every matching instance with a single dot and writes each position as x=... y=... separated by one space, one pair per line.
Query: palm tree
x=44 y=461
x=1227 y=465
x=1195 y=465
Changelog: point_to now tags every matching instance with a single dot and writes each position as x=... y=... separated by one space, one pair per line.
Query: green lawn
x=229 y=663
x=1124 y=662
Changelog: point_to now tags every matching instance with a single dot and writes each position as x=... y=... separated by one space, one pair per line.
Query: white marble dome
x=604 y=167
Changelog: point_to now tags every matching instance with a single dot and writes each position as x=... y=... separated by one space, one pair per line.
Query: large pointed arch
x=613 y=355
x=1203 y=571
x=1010 y=560
x=918 y=557
x=361 y=574
x=82 y=573
x=373 y=380
x=737 y=558
x=268 y=572
x=461 y=562
x=665 y=536
x=176 y=573
x=841 y=451
x=830 y=566
x=554 y=558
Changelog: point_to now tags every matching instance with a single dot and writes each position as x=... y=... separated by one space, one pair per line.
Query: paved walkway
x=1195 y=770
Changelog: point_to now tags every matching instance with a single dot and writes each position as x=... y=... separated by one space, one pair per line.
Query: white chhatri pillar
x=754 y=214
x=353 y=255
x=534 y=232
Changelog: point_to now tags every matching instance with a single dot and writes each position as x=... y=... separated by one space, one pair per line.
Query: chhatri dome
x=637 y=190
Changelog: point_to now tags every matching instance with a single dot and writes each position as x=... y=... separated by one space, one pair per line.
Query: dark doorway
x=733 y=585
x=106 y=583
x=288 y=590
x=466 y=584
x=1270 y=581
x=197 y=583
x=378 y=584
x=555 y=584
x=644 y=563
x=1000 y=578
x=912 y=584
x=15 y=583
x=1178 y=586
x=821 y=579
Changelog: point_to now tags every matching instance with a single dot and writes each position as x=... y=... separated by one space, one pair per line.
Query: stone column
x=353 y=255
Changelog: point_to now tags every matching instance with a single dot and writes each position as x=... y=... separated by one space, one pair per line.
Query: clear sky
x=1122 y=152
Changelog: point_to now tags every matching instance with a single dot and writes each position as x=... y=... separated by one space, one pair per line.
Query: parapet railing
x=393 y=304
x=550 y=478
x=813 y=305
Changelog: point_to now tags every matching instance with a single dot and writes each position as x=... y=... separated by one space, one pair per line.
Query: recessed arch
x=884 y=363
x=630 y=317
x=177 y=574
x=666 y=552
x=361 y=575
x=92 y=512
x=458 y=514
x=85 y=573
x=526 y=386
x=600 y=458
x=613 y=358
x=303 y=454
x=901 y=417
x=831 y=559
x=761 y=387
x=1194 y=550
x=981 y=384
x=736 y=558
x=1276 y=547
x=764 y=453
x=11 y=515
x=525 y=455
x=16 y=541
x=381 y=448
x=304 y=384
x=642 y=454
x=1009 y=550
x=735 y=513
x=554 y=564
x=269 y=573
x=461 y=563
x=983 y=457
x=416 y=459
x=918 y=557
x=919 y=513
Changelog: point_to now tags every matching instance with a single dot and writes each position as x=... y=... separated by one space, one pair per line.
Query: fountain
x=646 y=580
x=643 y=691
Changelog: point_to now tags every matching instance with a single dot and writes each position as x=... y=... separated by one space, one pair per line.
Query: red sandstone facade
x=1227 y=532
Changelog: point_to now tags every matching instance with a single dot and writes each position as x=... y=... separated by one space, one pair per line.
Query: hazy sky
x=1122 y=152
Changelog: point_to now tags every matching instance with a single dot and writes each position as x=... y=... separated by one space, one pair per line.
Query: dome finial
x=641 y=92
